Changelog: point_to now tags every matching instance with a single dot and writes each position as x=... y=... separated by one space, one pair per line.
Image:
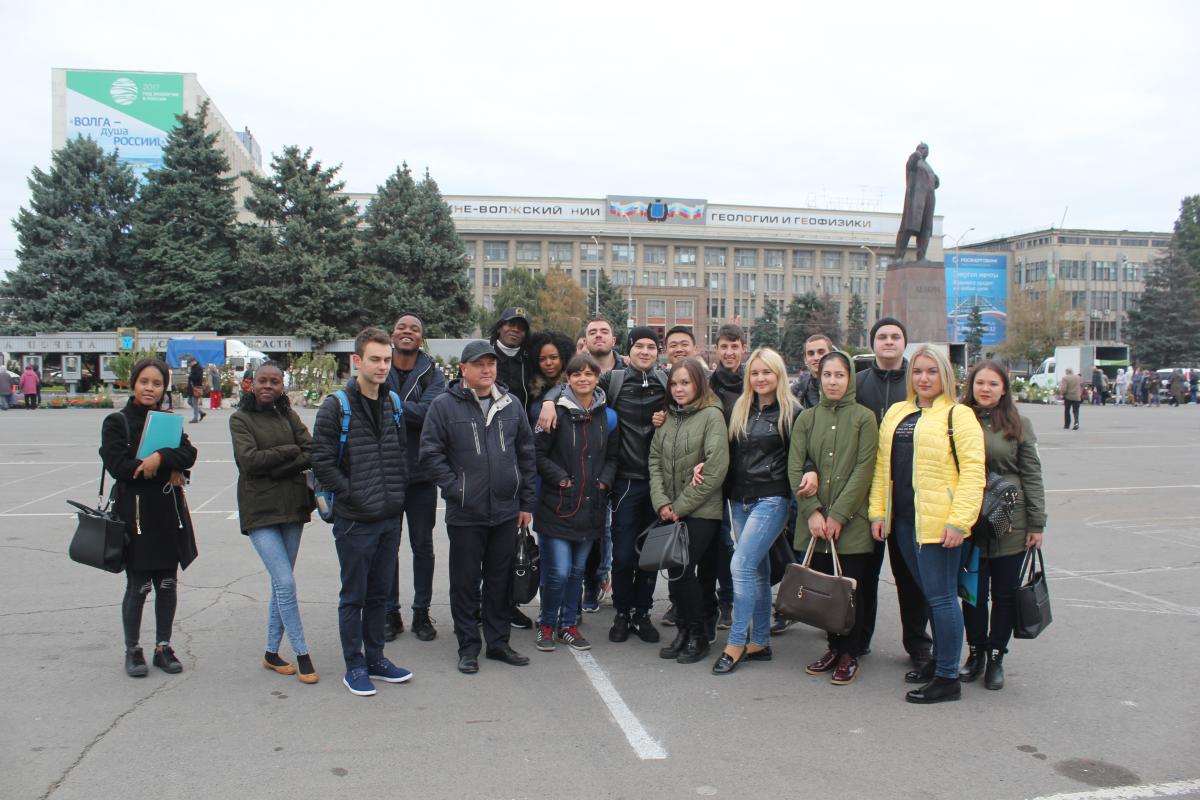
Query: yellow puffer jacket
x=942 y=494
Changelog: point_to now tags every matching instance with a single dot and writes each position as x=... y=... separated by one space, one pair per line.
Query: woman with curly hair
x=549 y=352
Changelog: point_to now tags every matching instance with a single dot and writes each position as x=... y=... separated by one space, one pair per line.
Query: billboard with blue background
x=982 y=280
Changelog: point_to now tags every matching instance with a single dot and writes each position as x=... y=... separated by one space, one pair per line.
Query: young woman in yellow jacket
x=929 y=503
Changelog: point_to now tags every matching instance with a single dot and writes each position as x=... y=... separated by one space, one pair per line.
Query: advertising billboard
x=973 y=279
x=128 y=113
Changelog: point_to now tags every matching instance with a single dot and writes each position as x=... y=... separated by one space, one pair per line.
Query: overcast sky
x=1030 y=109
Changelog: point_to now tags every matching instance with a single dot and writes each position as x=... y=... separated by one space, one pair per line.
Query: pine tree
x=765 y=330
x=856 y=321
x=613 y=306
x=521 y=289
x=71 y=269
x=973 y=333
x=1164 y=330
x=183 y=239
x=302 y=254
x=807 y=315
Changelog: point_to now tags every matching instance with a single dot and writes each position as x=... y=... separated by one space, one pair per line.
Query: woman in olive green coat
x=840 y=438
x=1012 y=452
x=272 y=449
x=693 y=434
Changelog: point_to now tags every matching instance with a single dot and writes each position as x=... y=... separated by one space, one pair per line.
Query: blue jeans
x=277 y=546
x=633 y=589
x=367 y=556
x=757 y=525
x=936 y=570
x=563 y=565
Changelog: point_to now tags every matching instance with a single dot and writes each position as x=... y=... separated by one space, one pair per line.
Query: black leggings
x=137 y=587
x=998 y=577
x=685 y=590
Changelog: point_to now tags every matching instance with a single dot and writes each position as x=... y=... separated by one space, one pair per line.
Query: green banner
x=152 y=98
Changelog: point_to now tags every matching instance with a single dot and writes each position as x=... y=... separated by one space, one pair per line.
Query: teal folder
x=162 y=430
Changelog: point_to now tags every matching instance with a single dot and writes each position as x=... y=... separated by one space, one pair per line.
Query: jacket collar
x=890 y=374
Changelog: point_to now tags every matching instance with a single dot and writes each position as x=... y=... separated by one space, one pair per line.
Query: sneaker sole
x=836 y=682
x=573 y=646
x=357 y=692
x=543 y=648
x=286 y=669
x=405 y=679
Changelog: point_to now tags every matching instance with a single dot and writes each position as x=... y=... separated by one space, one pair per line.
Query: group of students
x=590 y=448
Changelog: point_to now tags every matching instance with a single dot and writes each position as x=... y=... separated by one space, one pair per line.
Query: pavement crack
x=55 y=610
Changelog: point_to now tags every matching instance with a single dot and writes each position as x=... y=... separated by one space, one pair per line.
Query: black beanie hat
x=642 y=332
x=887 y=321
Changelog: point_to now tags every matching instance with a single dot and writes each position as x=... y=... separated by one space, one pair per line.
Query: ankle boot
x=993 y=677
x=696 y=647
x=976 y=659
x=938 y=690
x=677 y=644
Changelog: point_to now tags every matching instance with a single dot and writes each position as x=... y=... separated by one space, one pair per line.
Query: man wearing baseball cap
x=510 y=339
x=478 y=448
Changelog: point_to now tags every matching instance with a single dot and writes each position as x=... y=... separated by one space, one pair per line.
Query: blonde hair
x=739 y=418
x=944 y=368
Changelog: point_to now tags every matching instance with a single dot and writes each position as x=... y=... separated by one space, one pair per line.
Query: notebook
x=162 y=430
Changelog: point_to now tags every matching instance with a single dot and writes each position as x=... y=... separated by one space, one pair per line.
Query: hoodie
x=580 y=450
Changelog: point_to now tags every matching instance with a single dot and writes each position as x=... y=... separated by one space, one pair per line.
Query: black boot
x=677 y=644
x=993 y=677
x=696 y=648
x=619 y=632
x=393 y=626
x=975 y=662
x=422 y=625
x=939 y=690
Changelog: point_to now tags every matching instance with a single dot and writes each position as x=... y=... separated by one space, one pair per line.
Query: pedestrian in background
x=214 y=388
x=30 y=385
x=1071 y=389
x=195 y=389
x=272 y=450
x=6 y=388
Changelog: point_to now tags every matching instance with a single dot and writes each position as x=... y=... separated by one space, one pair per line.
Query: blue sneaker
x=386 y=671
x=358 y=683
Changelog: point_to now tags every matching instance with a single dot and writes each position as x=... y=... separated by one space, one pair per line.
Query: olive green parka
x=690 y=436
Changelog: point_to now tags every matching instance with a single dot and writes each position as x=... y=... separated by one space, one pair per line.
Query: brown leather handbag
x=815 y=598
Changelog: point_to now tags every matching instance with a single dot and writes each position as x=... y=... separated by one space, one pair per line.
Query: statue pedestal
x=914 y=292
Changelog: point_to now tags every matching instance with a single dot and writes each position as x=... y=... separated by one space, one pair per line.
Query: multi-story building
x=1101 y=273
x=681 y=261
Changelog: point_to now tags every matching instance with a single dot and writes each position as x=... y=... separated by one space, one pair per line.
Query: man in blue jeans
x=368 y=476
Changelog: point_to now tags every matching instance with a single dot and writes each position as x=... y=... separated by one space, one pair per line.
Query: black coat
x=878 y=389
x=424 y=384
x=369 y=483
x=157 y=521
x=512 y=373
x=485 y=466
x=580 y=450
x=639 y=396
x=758 y=459
x=727 y=385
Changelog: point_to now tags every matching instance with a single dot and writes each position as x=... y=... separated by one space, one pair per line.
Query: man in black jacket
x=418 y=382
x=477 y=447
x=367 y=474
x=807 y=387
x=878 y=388
x=510 y=339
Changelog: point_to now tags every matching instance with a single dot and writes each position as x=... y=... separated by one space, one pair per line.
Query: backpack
x=325 y=498
x=618 y=378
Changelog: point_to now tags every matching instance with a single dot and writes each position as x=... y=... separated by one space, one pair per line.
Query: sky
x=1037 y=114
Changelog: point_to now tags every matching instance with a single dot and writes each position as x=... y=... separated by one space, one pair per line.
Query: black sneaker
x=619 y=632
x=644 y=628
x=422 y=625
x=164 y=659
x=544 y=639
x=135 y=663
x=725 y=617
x=780 y=625
x=519 y=620
x=393 y=626
x=669 y=617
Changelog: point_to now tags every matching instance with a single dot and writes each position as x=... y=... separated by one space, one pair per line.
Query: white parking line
x=220 y=491
x=1124 y=488
x=1173 y=789
x=646 y=747
x=1151 y=598
x=31 y=477
x=52 y=494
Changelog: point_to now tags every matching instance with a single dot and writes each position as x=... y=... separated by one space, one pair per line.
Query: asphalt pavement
x=1106 y=697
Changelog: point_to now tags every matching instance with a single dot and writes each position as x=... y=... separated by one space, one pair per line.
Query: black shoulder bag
x=999 y=497
x=100 y=538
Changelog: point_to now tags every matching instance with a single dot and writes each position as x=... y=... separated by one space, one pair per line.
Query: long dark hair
x=1005 y=418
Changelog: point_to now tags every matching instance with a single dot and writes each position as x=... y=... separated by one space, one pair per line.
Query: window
x=623 y=277
x=684 y=279
x=773 y=258
x=745 y=308
x=1132 y=270
x=654 y=278
x=470 y=246
x=716 y=307
x=685 y=255
x=745 y=282
x=802 y=259
x=591 y=253
x=683 y=309
x=1072 y=240
x=654 y=253
x=745 y=256
x=802 y=284
x=589 y=278
x=1129 y=301
x=1160 y=242
x=1069 y=269
x=715 y=280
x=493 y=276
x=858 y=262
x=881 y=263
x=631 y=308
x=773 y=282
x=1103 y=241
x=714 y=256
x=656 y=308
x=879 y=286
x=529 y=251
x=560 y=252
x=1078 y=299
x=831 y=261
x=1104 y=270
x=622 y=254
x=495 y=251
x=471 y=275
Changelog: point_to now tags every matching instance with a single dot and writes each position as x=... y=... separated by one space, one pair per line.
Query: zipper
x=463 y=494
x=517 y=475
x=500 y=424
x=916 y=494
x=475 y=433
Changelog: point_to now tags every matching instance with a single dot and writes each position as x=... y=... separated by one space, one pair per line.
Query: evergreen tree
x=765 y=330
x=807 y=315
x=521 y=289
x=412 y=257
x=71 y=269
x=1186 y=241
x=183 y=243
x=613 y=306
x=856 y=321
x=1164 y=330
x=302 y=254
x=973 y=333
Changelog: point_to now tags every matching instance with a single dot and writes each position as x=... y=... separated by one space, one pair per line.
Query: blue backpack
x=325 y=498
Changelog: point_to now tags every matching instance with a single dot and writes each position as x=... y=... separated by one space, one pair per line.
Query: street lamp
x=956 y=244
x=596 y=242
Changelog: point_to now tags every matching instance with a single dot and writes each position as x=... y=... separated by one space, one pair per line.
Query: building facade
x=1101 y=273
x=681 y=261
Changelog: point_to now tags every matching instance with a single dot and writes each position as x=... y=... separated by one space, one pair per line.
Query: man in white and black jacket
x=477 y=447
x=368 y=481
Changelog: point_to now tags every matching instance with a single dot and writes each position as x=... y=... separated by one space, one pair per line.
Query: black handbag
x=816 y=598
x=664 y=546
x=1032 y=597
x=100 y=538
x=527 y=568
x=781 y=555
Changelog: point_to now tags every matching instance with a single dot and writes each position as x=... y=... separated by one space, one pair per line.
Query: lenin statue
x=919 y=185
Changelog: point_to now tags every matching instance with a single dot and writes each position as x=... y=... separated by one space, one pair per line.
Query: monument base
x=914 y=292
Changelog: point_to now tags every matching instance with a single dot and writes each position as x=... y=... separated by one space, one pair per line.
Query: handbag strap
x=950 y=434
x=128 y=444
x=808 y=554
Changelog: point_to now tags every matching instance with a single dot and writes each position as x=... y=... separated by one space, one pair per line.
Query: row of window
x=743 y=283
x=1073 y=269
x=1100 y=241
x=1106 y=301
x=593 y=253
